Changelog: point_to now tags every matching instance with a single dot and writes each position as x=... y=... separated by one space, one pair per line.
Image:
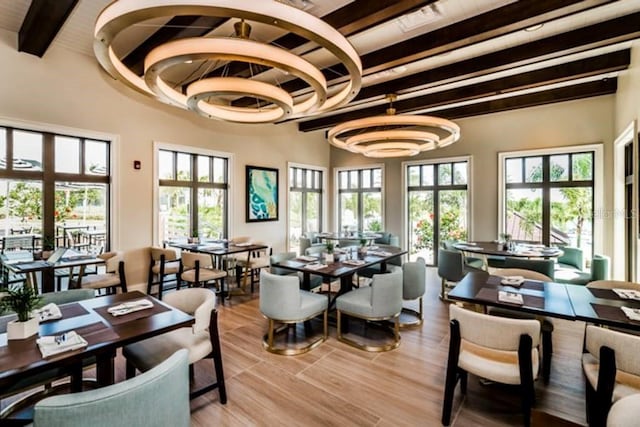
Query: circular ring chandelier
x=207 y=95
x=394 y=136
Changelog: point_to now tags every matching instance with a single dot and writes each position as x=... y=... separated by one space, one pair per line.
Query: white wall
x=68 y=89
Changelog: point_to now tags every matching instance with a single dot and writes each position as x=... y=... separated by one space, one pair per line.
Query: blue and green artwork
x=262 y=194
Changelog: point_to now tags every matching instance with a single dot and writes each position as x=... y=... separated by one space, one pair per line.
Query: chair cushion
x=311 y=304
x=625 y=412
x=205 y=275
x=496 y=365
x=261 y=261
x=153 y=351
x=626 y=384
x=100 y=281
x=169 y=268
x=474 y=262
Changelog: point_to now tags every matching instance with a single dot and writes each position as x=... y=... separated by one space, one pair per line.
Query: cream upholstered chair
x=625 y=412
x=197 y=269
x=612 y=368
x=499 y=349
x=380 y=301
x=413 y=287
x=164 y=262
x=113 y=278
x=202 y=339
x=252 y=263
x=159 y=397
x=282 y=301
x=613 y=284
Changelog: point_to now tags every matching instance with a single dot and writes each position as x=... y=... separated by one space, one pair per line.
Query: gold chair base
x=394 y=332
x=418 y=319
x=268 y=338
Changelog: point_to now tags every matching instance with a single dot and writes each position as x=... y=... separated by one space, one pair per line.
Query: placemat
x=72 y=310
x=527 y=284
x=117 y=320
x=611 y=312
x=604 y=293
x=488 y=294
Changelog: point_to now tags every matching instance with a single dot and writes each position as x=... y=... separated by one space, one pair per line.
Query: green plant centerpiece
x=505 y=238
x=329 y=256
x=363 y=245
x=22 y=300
x=194 y=237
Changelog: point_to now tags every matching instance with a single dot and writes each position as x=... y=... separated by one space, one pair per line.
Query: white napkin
x=353 y=262
x=307 y=258
x=627 y=293
x=631 y=313
x=130 y=307
x=512 y=280
x=379 y=253
x=49 y=312
x=54 y=344
x=510 y=297
x=314 y=266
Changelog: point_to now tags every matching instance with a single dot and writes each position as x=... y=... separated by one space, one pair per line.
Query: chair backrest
x=450 y=265
x=315 y=250
x=305 y=243
x=625 y=346
x=599 y=267
x=169 y=254
x=495 y=332
x=189 y=260
x=198 y=302
x=112 y=259
x=544 y=266
x=18 y=242
x=613 y=284
x=527 y=274
x=279 y=295
x=279 y=257
x=386 y=293
x=572 y=256
x=71 y=240
x=158 y=397
x=241 y=239
x=414 y=276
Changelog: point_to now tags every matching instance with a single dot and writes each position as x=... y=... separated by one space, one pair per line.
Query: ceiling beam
x=177 y=27
x=505 y=20
x=611 y=62
x=42 y=23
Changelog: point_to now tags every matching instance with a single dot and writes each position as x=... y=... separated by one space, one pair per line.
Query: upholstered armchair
x=413 y=287
x=114 y=276
x=164 y=263
x=315 y=280
x=201 y=340
x=625 y=412
x=159 y=397
x=612 y=370
x=499 y=349
x=613 y=284
x=544 y=266
x=252 y=263
x=451 y=269
x=282 y=301
x=379 y=302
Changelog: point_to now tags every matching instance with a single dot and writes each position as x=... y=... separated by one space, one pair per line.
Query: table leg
x=105 y=368
x=48 y=280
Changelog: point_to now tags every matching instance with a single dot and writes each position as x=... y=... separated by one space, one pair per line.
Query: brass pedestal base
x=268 y=338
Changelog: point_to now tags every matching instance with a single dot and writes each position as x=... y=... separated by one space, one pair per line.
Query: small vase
x=21 y=330
x=329 y=258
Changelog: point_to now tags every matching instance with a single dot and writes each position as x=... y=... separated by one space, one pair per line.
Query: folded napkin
x=469 y=248
x=631 y=313
x=54 y=344
x=130 y=307
x=49 y=312
x=353 y=262
x=307 y=258
x=379 y=253
x=315 y=266
x=512 y=280
x=627 y=293
x=510 y=297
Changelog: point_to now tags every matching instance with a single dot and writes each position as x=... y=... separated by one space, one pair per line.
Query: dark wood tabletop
x=521 y=251
x=601 y=306
x=23 y=357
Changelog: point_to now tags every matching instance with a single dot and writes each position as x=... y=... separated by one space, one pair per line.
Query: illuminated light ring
x=192 y=49
x=125 y=13
x=391 y=149
x=200 y=90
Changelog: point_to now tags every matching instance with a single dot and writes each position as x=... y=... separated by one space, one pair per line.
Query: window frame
x=323 y=195
x=359 y=190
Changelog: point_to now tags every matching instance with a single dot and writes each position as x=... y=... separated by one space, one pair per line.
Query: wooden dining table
x=104 y=333
x=519 y=251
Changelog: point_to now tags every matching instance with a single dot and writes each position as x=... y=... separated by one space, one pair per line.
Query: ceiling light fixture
x=210 y=96
x=394 y=136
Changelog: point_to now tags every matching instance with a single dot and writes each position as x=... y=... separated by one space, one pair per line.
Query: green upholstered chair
x=496 y=348
x=379 y=302
x=471 y=261
x=311 y=239
x=571 y=258
x=544 y=266
x=387 y=239
x=414 y=277
x=569 y=267
x=282 y=301
x=159 y=397
x=599 y=267
x=202 y=340
x=599 y=271
x=451 y=268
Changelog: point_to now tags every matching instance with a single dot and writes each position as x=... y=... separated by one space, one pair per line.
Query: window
x=192 y=195
x=549 y=198
x=55 y=187
x=437 y=205
x=360 y=199
x=306 y=193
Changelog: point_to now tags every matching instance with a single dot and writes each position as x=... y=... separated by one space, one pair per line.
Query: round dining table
x=520 y=250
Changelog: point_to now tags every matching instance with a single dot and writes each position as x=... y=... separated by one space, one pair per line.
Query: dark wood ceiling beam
x=615 y=61
x=177 y=27
x=504 y=20
x=42 y=23
x=597 y=35
x=355 y=17
x=569 y=93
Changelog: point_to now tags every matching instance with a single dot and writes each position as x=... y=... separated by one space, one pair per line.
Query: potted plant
x=505 y=238
x=194 y=238
x=22 y=300
x=329 y=258
x=48 y=245
x=363 y=245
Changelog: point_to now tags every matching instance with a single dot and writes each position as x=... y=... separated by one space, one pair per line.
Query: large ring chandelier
x=209 y=96
x=394 y=136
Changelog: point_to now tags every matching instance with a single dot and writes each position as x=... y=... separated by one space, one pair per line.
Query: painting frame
x=262 y=188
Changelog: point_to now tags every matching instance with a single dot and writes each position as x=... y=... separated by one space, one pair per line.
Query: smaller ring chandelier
x=394 y=136
x=209 y=96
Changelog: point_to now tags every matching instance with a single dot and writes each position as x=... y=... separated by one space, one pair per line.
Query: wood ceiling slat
x=178 y=27
x=42 y=23
x=498 y=22
x=615 y=61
